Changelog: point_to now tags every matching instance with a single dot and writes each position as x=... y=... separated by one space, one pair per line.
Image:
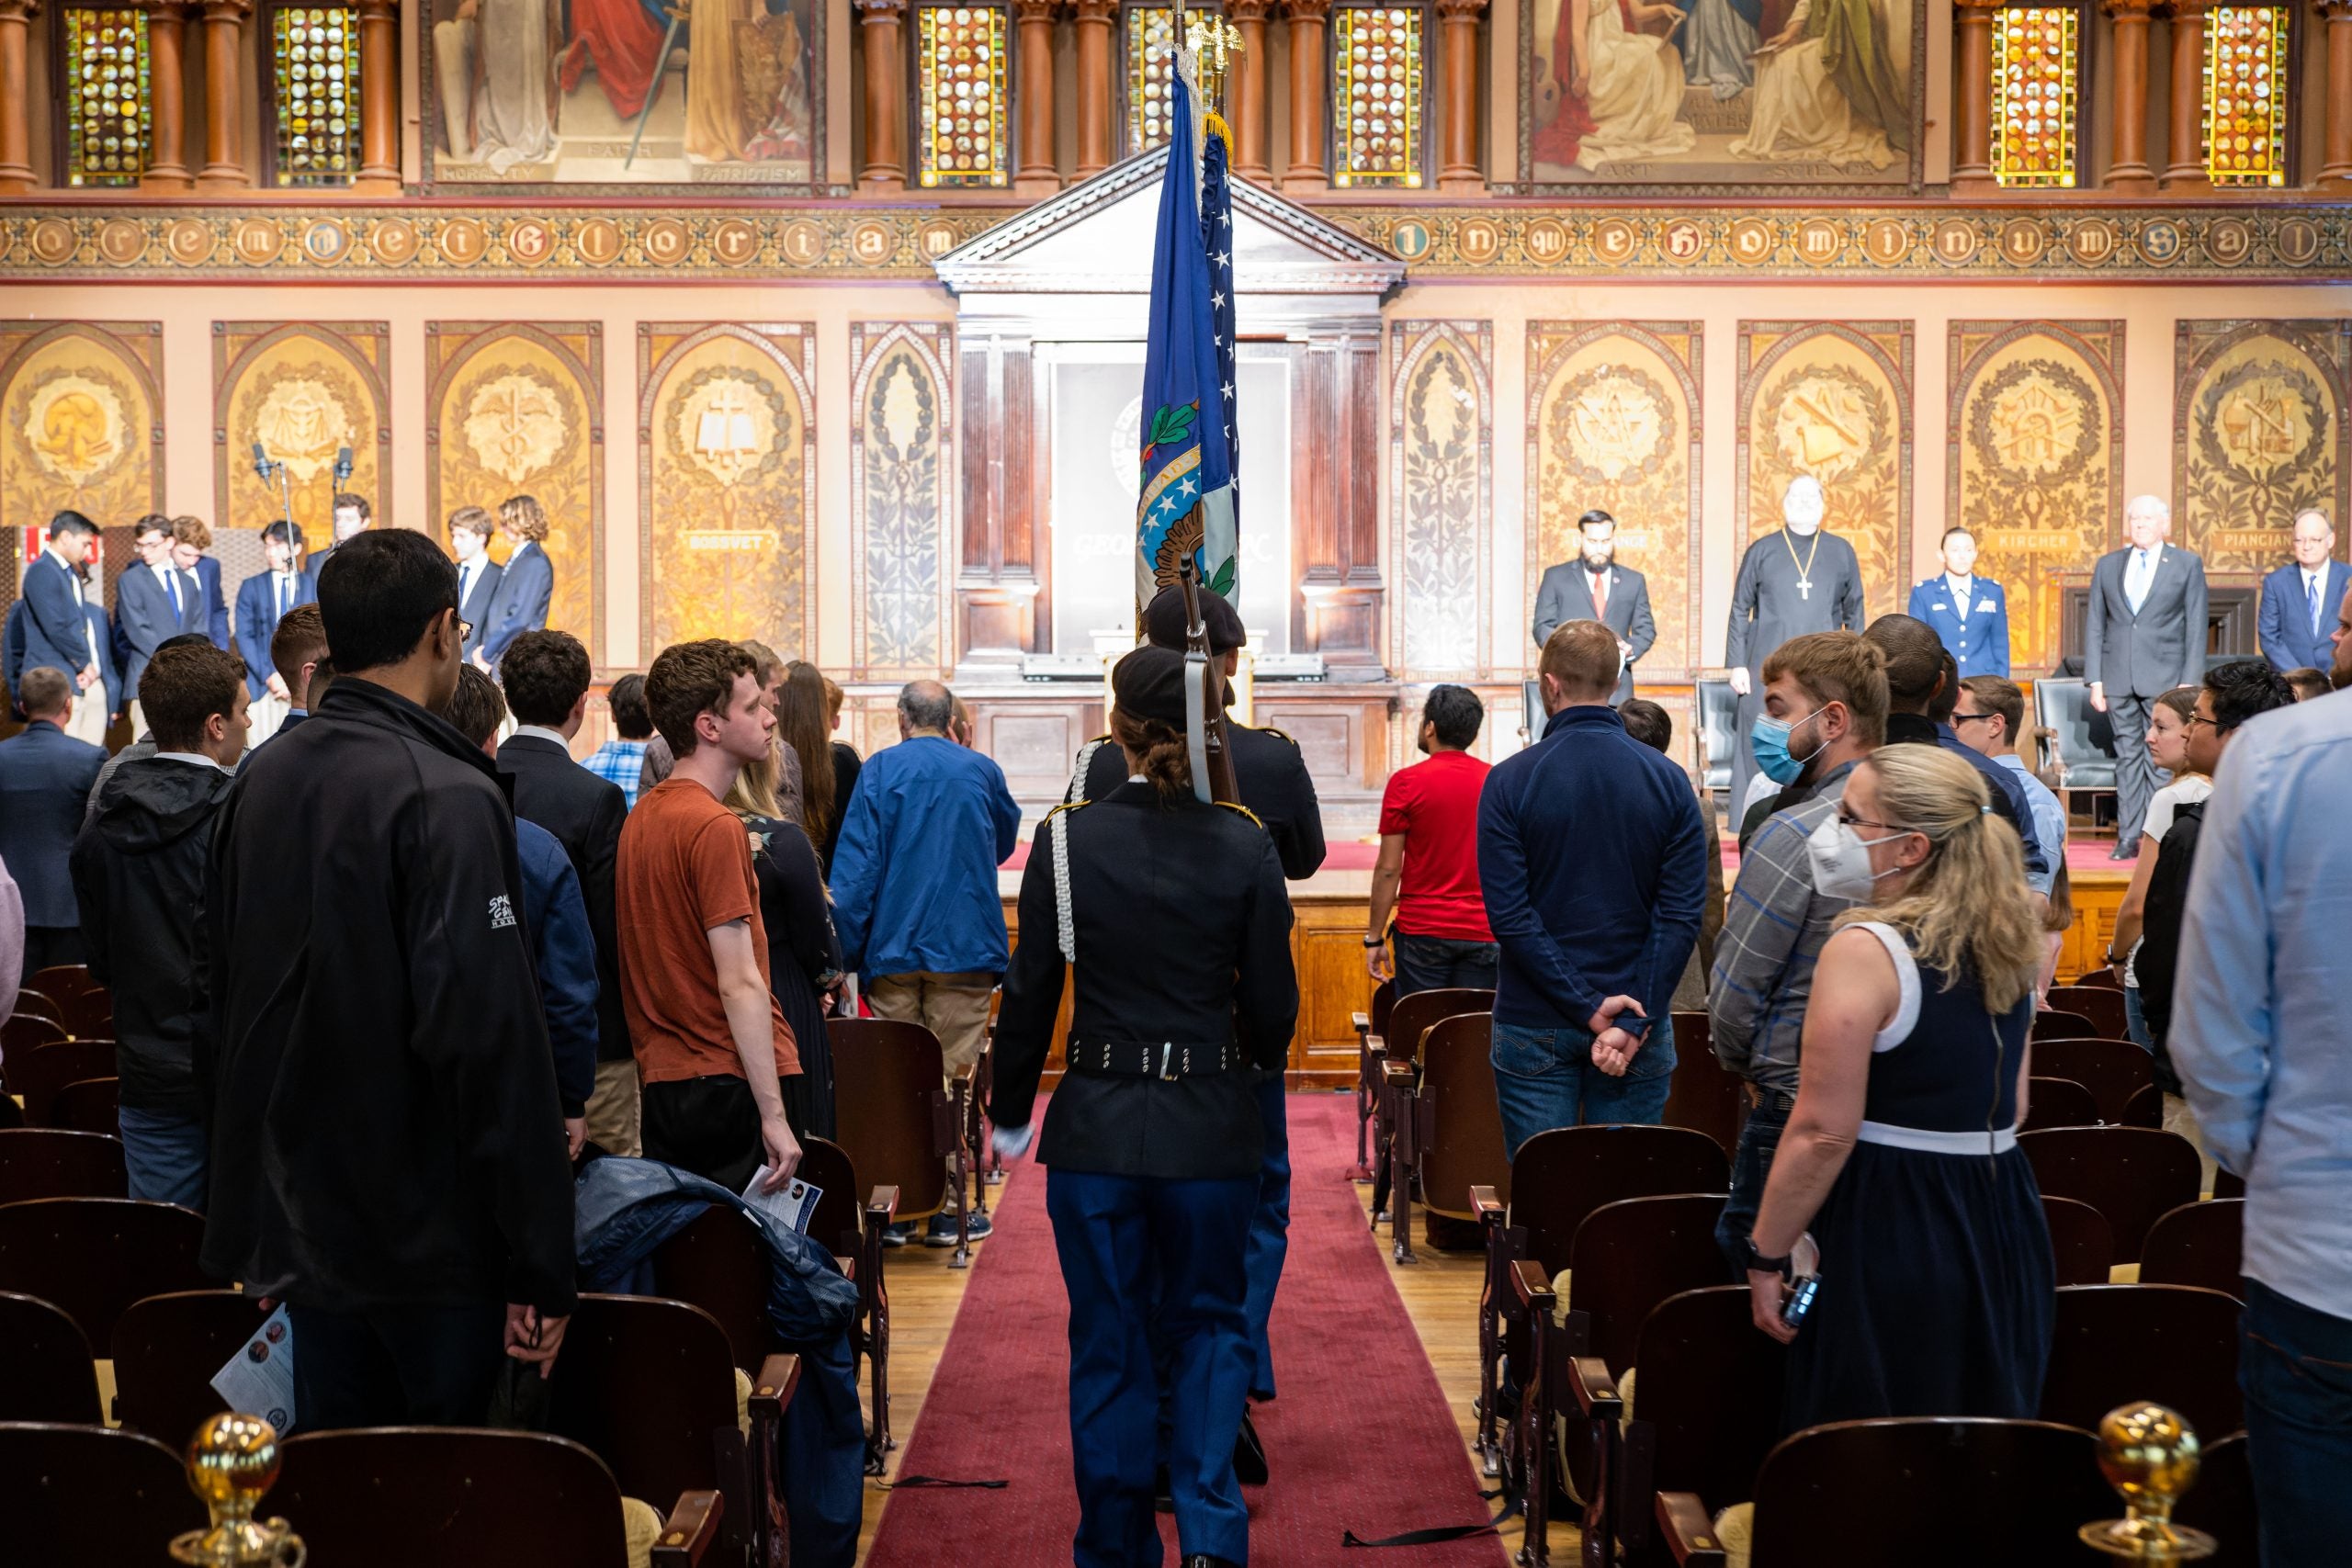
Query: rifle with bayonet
x=1212 y=755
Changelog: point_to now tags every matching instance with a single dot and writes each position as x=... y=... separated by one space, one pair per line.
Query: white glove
x=1739 y=679
x=1011 y=1143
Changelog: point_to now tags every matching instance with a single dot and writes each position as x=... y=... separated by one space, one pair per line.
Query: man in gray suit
x=1594 y=587
x=2145 y=634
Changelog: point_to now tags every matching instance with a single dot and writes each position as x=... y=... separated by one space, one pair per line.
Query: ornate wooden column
x=1032 y=55
x=1310 y=96
x=16 y=108
x=1972 y=153
x=167 y=97
x=2335 y=163
x=884 y=173
x=1252 y=118
x=2185 y=129
x=224 y=105
x=1096 y=83
x=2129 y=169
x=379 y=97
x=1458 y=173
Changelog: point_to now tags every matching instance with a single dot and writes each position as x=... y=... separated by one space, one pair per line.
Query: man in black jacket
x=139 y=876
x=547 y=675
x=388 y=1152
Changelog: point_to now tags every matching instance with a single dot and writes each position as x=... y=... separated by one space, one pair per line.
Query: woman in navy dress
x=1936 y=1280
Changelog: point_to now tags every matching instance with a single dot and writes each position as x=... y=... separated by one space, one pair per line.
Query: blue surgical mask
x=1768 y=743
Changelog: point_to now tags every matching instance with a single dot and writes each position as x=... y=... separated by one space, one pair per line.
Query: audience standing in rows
x=1428 y=873
x=621 y=759
x=2170 y=718
x=46 y=775
x=1654 y=728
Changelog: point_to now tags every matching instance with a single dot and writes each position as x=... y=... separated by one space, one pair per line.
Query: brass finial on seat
x=2149 y=1456
x=232 y=1465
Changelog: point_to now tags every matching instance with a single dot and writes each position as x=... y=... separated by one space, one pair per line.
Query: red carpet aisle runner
x=1359 y=1438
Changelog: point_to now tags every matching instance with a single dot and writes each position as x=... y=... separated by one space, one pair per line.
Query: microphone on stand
x=341 y=466
x=262 y=465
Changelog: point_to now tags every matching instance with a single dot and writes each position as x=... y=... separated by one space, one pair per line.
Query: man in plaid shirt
x=1825 y=710
x=623 y=760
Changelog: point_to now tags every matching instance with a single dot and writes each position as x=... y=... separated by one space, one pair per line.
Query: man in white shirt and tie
x=2144 y=634
x=154 y=603
x=2299 y=599
x=262 y=602
x=65 y=626
x=477 y=575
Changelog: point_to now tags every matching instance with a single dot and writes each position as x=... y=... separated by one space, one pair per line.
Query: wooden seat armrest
x=963 y=1074
x=690 y=1531
x=772 y=1389
x=882 y=1205
x=1689 y=1533
x=1376 y=1044
x=1399 y=1075
x=1530 y=1283
x=1597 y=1393
x=1486 y=1205
x=1362 y=1023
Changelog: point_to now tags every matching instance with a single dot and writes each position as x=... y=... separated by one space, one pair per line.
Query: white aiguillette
x=793 y=1203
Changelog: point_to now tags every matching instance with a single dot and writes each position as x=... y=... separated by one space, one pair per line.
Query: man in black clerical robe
x=1797 y=581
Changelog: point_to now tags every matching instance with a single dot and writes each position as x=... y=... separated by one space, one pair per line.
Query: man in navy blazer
x=58 y=625
x=519 y=603
x=190 y=539
x=2297 y=622
x=2144 y=632
x=262 y=600
x=45 y=777
x=477 y=575
x=152 y=601
x=1970 y=614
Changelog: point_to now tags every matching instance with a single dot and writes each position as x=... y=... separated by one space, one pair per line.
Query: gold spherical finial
x=232 y=1462
x=2149 y=1456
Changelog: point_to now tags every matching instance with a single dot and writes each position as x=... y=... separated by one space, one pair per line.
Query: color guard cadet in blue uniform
x=1970 y=613
x=1172 y=915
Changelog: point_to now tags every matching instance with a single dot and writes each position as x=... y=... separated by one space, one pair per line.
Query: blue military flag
x=1187 y=501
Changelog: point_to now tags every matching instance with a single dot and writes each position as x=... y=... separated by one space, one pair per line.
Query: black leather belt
x=1780 y=1100
x=1153 y=1058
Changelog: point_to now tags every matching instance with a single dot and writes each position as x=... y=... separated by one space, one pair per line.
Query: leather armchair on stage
x=2061 y=706
x=1718 y=736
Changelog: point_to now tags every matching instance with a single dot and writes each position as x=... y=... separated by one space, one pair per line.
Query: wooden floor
x=1440 y=1293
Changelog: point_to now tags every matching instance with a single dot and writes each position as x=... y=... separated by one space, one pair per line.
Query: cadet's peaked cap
x=1150 y=684
x=1163 y=621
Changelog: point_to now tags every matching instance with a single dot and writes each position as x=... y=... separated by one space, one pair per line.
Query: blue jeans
x=1145 y=1257
x=1751 y=1163
x=164 y=1152
x=2295 y=1369
x=1545 y=1078
x=2135 y=1020
x=1437 y=962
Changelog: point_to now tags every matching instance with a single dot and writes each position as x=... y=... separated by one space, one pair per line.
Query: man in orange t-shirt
x=711 y=1043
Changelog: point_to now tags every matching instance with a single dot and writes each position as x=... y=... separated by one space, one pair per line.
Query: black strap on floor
x=1436 y=1535
x=906 y=1481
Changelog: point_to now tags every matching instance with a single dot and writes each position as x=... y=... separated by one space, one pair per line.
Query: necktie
x=172 y=579
x=2311 y=594
x=281 y=597
x=1962 y=587
x=2135 y=588
x=1601 y=594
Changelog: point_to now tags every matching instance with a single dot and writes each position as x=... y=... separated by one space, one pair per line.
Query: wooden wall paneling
x=1036 y=741
x=1335 y=548
x=997 y=583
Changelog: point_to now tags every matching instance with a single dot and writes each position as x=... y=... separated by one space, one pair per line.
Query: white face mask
x=1841 y=862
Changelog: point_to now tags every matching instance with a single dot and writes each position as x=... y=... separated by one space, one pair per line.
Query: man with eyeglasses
x=1988 y=717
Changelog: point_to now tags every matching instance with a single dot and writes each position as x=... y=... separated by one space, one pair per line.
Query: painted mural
x=2034 y=461
x=625 y=91
x=1832 y=400
x=1720 y=92
x=80 y=425
x=515 y=410
x=2258 y=435
x=1612 y=423
x=1440 y=493
x=900 y=446
x=727 y=480
x=303 y=392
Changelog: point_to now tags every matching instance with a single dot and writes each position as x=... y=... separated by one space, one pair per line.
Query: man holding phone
x=1592 y=861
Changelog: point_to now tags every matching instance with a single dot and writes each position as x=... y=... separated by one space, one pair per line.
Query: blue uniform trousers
x=1269 y=1230
x=1144 y=1258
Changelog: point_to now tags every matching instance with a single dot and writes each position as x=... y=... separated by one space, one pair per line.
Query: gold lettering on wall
x=2034 y=460
x=2258 y=435
x=515 y=408
x=727 y=482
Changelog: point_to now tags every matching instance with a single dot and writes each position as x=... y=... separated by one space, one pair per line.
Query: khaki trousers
x=614 y=1121
x=953 y=1006
x=90 y=715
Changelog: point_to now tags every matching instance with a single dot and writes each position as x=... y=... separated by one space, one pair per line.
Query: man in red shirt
x=1429 y=858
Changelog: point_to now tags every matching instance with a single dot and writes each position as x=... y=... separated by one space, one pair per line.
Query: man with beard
x=1595 y=588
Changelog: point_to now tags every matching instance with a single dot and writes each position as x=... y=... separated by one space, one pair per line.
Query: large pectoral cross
x=1804 y=589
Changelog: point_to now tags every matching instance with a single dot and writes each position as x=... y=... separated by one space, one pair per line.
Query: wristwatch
x=1375 y=942
x=1759 y=1264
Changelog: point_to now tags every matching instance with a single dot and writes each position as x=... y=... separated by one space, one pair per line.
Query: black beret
x=1150 y=684
x=1163 y=621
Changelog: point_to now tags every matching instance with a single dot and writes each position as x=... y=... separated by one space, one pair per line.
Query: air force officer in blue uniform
x=1172 y=915
x=2297 y=622
x=1970 y=614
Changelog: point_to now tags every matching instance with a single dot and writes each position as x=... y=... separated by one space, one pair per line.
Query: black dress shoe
x=1248 y=1455
x=1203 y=1560
x=2124 y=852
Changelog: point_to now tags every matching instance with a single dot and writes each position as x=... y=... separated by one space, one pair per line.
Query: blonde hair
x=523 y=514
x=754 y=791
x=1967 y=908
x=473 y=520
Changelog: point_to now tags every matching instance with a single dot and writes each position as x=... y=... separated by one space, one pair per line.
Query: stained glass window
x=962 y=105
x=1151 y=69
x=1376 y=96
x=2245 y=95
x=2035 y=75
x=106 y=117
x=314 y=50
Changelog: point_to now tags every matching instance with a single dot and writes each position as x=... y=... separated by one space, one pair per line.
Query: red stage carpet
x=1360 y=1439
